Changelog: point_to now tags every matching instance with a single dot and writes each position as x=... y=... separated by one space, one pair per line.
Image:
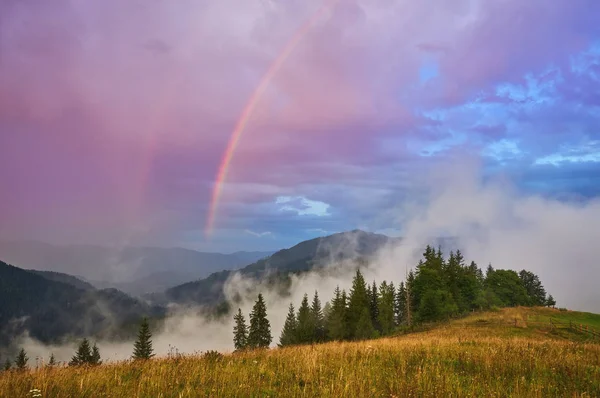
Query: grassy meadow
x=483 y=355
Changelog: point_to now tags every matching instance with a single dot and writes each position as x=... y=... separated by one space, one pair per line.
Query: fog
x=492 y=222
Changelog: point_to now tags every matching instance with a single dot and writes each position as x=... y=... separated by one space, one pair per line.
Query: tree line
x=89 y=355
x=438 y=289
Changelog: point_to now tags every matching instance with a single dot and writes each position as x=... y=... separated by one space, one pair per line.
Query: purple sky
x=114 y=114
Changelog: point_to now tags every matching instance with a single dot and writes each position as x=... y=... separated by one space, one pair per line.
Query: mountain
x=135 y=270
x=307 y=255
x=52 y=307
x=64 y=278
x=246 y=257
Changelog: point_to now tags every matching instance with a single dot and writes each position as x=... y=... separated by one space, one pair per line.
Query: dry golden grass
x=479 y=356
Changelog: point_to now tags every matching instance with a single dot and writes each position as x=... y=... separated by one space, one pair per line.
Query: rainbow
x=242 y=122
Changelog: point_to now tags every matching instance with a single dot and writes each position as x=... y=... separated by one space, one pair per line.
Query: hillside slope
x=466 y=357
x=64 y=278
x=521 y=322
x=50 y=309
x=307 y=255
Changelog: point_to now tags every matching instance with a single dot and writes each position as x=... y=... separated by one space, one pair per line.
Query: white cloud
x=586 y=152
x=258 y=234
x=302 y=206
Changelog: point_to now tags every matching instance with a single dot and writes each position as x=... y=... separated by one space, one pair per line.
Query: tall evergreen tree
x=318 y=320
x=142 y=348
x=452 y=274
x=385 y=306
x=471 y=289
x=400 y=304
x=439 y=258
x=240 y=331
x=358 y=301
x=336 y=324
x=374 y=306
x=288 y=334
x=95 y=358
x=259 y=335
x=52 y=360
x=410 y=300
x=21 y=361
x=431 y=258
x=305 y=326
x=427 y=278
x=475 y=270
x=459 y=258
x=489 y=271
x=345 y=303
x=83 y=355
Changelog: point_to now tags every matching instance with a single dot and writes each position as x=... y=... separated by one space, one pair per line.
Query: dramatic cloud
x=114 y=115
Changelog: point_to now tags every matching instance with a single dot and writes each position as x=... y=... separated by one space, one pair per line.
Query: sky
x=115 y=116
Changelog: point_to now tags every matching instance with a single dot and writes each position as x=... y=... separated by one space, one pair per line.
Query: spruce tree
x=259 y=335
x=385 y=307
x=305 y=330
x=83 y=355
x=21 y=361
x=240 y=331
x=288 y=334
x=358 y=302
x=475 y=270
x=459 y=258
x=142 y=348
x=439 y=256
x=374 y=307
x=7 y=365
x=489 y=271
x=95 y=358
x=410 y=300
x=317 y=319
x=336 y=325
x=344 y=304
x=52 y=360
x=452 y=276
x=400 y=305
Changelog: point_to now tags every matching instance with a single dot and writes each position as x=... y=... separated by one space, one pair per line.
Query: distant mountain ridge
x=64 y=278
x=135 y=270
x=303 y=257
x=52 y=306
